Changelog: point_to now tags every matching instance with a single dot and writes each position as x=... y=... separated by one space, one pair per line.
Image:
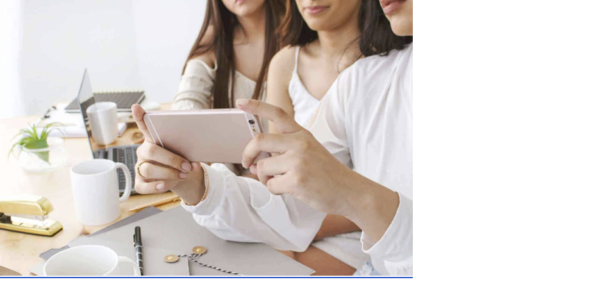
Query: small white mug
x=89 y=260
x=104 y=122
x=96 y=191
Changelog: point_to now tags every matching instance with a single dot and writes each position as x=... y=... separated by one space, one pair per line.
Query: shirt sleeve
x=330 y=126
x=196 y=87
x=395 y=247
x=242 y=209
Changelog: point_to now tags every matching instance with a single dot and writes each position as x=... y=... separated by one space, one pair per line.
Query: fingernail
x=186 y=166
x=160 y=186
x=242 y=102
x=182 y=175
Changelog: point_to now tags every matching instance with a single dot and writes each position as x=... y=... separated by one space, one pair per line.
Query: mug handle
x=136 y=269
x=127 y=180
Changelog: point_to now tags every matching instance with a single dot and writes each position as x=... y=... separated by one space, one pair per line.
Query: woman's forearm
x=373 y=208
x=193 y=189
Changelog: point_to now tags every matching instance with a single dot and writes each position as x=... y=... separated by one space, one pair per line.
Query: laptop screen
x=102 y=137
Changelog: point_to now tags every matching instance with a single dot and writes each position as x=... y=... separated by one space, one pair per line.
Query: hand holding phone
x=208 y=136
x=159 y=170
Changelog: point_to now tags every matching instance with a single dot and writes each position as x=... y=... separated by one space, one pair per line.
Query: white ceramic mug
x=104 y=122
x=89 y=260
x=96 y=191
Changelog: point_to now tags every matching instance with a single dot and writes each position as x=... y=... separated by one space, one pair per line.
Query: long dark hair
x=376 y=36
x=224 y=22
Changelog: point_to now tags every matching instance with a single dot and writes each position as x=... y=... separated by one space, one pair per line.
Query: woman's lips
x=313 y=10
x=389 y=6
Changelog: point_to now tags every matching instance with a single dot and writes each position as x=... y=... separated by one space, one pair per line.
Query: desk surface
x=19 y=251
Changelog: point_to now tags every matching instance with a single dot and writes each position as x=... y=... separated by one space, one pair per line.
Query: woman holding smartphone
x=365 y=123
x=230 y=56
x=235 y=208
x=322 y=39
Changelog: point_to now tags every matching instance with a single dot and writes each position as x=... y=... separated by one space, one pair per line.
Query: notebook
x=177 y=230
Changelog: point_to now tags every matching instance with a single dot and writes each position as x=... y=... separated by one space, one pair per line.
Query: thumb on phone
x=138 y=115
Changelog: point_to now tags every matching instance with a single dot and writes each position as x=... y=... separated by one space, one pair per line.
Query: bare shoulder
x=282 y=64
x=280 y=74
x=208 y=57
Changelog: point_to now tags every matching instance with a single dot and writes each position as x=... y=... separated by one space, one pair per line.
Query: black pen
x=137 y=244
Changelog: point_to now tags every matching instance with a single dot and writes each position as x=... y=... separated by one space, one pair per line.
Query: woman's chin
x=401 y=26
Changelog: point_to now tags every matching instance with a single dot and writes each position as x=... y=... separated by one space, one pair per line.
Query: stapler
x=28 y=214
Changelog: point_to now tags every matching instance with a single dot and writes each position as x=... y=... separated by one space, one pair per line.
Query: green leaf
x=12 y=149
x=35 y=134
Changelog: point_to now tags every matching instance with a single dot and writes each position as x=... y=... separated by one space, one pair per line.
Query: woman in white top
x=323 y=40
x=326 y=43
x=236 y=208
x=222 y=64
x=366 y=123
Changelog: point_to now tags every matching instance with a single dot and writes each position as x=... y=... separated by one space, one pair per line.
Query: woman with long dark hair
x=231 y=55
x=367 y=124
x=323 y=38
x=241 y=209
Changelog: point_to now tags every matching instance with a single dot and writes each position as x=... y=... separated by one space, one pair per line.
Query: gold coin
x=199 y=250
x=171 y=258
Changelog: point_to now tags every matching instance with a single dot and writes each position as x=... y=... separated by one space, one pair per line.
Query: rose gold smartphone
x=209 y=136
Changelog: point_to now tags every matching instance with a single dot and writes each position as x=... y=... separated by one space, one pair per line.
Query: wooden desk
x=20 y=251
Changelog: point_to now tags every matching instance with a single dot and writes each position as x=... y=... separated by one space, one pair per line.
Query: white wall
x=125 y=44
x=62 y=37
x=10 y=35
x=165 y=32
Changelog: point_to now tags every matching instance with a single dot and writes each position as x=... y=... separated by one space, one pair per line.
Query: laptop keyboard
x=128 y=157
x=123 y=99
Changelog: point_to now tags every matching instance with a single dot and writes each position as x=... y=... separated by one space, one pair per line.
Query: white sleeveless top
x=305 y=105
x=345 y=247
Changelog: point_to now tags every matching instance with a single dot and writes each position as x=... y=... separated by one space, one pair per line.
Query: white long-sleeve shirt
x=242 y=209
x=366 y=122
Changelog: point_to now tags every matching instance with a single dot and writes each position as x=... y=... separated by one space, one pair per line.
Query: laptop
x=125 y=154
x=123 y=99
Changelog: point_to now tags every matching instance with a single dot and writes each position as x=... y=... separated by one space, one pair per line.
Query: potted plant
x=38 y=147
